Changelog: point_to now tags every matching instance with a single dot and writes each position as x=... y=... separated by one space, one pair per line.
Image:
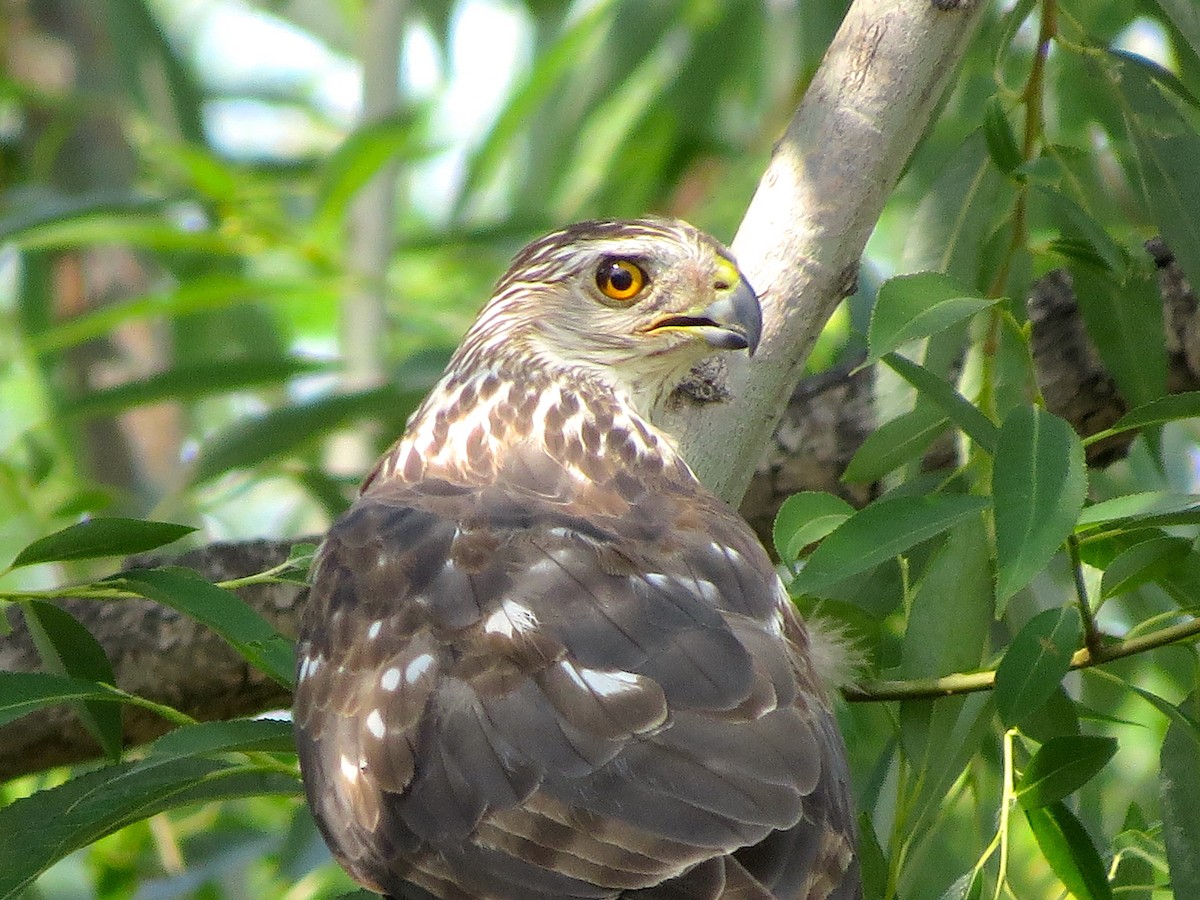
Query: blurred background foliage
x=184 y=255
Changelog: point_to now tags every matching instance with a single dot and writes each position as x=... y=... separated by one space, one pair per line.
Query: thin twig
x=970 y=682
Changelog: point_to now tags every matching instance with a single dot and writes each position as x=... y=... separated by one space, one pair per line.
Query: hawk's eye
x=620 y=279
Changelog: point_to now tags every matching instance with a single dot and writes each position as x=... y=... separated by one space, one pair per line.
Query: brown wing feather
x=502 y=693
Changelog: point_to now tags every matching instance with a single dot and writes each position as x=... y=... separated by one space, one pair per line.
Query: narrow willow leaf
x=1148 y=509
x=90 y=806
x=965 y=887
x=189 y=383
x=1079 y=225
x=804 y=519
x=948 y=623
x=1156 y=412
x=199 y=294
x=23 y=692
x=1039 y=483
x=879 y=532
x=966 y=416
x=364 y=152
x=1035 y=662
x=1144 y=562
x=284 y=430
x=1184 y=15
x=1061 y=766
x=955 y=218
x=207 y=738
x=910 y=307
x=1001 y=142
x=1179 y=786
x=98 y=538
x=896 y=443
x=1070 y=852
x=1167 y=148
x=221 y=610
x=66 y=647
x=1125 y=320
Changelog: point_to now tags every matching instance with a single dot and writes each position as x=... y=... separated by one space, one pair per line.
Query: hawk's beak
x=732 y=322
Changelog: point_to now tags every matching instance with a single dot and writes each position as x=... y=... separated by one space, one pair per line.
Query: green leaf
x=948 y=624
x=1062 y=766
x=1167 y=148
x=895 y=443
x=958 y=214
x=1001 y=142
x=1125 y=320
x=190 y=383
x=1156 y=412
x=1039 y=483
x=1179 y=785
x=67 y=648
x=90 y=806
x=952 y=606
x=284 y=430
x=1070 y=851
x=879 y=532
x=221 y=610
x=23 y=692
x=364 y=152
x=97 y=538
x=1035 y=662
x=581 y=38
x=1144 y=562
x=1184 y=15
x=207 y=738
x=966 y=416
x=910 y=307
x=199 y=294
x=1078 y=225
x=804 y=519
x=965 y=887
x=1147 y=509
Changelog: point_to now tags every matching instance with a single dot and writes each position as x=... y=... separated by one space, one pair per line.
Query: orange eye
x=620 y=279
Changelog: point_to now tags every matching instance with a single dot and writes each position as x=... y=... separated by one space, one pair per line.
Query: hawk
x=539 y=659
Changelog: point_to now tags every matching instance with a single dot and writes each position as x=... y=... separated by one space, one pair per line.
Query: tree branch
x=800 y=241
x=970 y=682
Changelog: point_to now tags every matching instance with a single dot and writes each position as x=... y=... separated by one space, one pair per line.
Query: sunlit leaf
x=1143 y=510
x=879 y=532
x=806 y=518
x=910 y=307
x=97 y=538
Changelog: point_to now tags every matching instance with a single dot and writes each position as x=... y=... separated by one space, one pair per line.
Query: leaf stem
x=1093 y=639
x=970 y=682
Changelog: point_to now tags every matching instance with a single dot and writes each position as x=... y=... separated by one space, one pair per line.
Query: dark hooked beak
x=732 y=322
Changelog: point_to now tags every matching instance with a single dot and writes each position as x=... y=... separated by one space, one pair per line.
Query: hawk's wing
x=534 y=702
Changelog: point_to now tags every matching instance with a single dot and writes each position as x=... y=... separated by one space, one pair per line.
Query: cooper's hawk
x=539 y=659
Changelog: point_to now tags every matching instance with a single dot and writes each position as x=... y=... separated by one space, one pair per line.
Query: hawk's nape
x=539 y=659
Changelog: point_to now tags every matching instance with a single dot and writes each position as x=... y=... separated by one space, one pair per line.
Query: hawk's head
x=636 y=302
